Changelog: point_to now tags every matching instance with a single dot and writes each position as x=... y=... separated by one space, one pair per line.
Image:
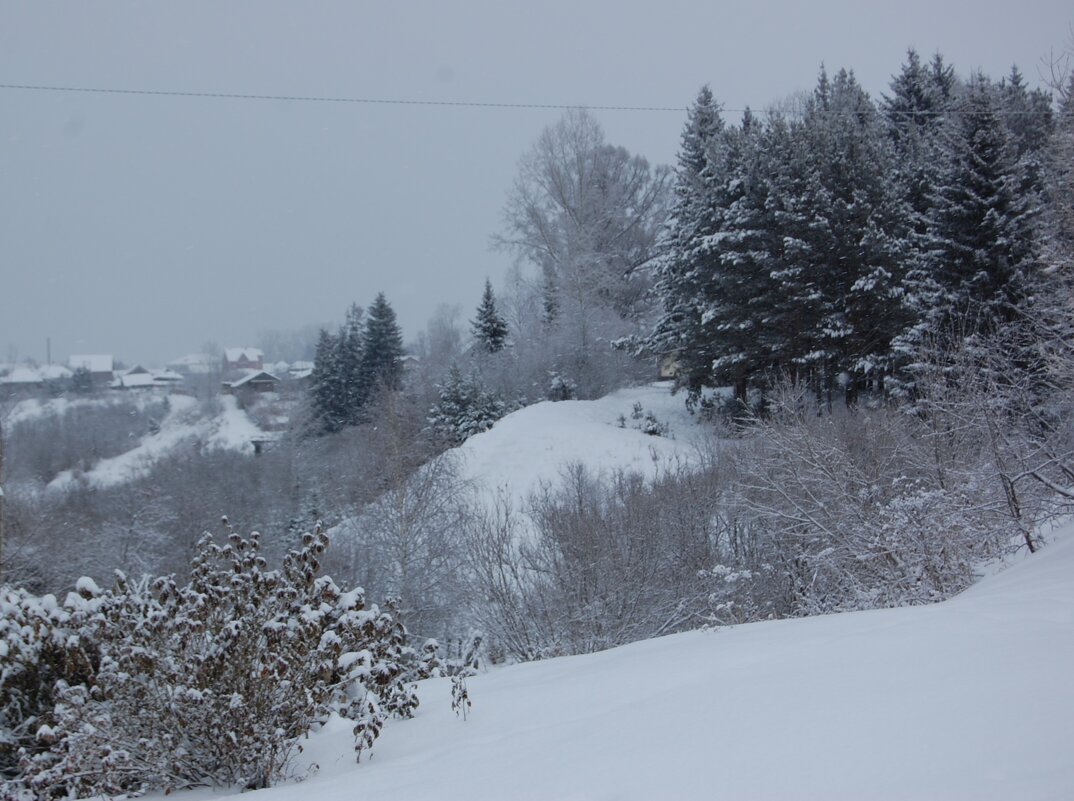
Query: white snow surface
x=534 y=444
x=969 y=699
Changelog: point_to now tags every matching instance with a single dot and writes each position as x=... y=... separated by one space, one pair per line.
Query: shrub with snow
x=153 y=684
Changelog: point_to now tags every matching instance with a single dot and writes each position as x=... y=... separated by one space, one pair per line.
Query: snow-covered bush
x=41 y=645
x=154 y=684
x=561 y=388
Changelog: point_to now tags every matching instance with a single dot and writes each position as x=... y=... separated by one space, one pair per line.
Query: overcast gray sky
x=145 y=226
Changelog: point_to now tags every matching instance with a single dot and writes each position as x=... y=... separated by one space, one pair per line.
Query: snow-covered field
x=967 y=699
x=534 y=444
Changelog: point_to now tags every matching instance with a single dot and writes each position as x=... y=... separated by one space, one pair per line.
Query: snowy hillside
x=230 y=428
x=535 y=443
x=968 y=699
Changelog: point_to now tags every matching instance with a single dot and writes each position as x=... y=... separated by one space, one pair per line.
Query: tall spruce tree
x=350 y=349
x=844 y=234
x=327 y=394
x=489 y=327
x=976 y=270
x=739 y=291
x=382 y=350
x=687 y=262
x=915 y=113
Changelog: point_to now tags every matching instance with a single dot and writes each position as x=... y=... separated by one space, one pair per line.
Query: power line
x=381 y=101
x=385 y=101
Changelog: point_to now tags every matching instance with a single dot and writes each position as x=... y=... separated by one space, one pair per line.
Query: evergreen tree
x=915 y=112
x=382 y=350
x=1028 y=119
x=687 y=263
x=739 y=291
x=843 y=233
x=350 y=348
x=81 y=380
x=327 y=395
x=489 y=328
x=464 y=408
x=549 y=298
x=975 y=272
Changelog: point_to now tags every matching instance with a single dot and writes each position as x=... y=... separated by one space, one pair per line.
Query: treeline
x=832 y=238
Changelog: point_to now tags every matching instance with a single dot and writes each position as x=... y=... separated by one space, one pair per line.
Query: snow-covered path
x=969 y=699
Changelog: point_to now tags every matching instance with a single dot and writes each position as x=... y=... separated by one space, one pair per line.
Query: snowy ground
x=968 y=699
x=535 y=443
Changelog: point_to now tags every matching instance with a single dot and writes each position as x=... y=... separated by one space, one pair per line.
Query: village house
x=240 y=359
x=257 y=381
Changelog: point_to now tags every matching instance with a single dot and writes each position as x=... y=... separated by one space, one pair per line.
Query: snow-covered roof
x=257 y=375
x=25 y=374
x=51 y=372
x=195 y=363
x=94 y=362
x=146 y=378
x=237 y=354
x=298 y=367
x=21 y=374
x=134 y=381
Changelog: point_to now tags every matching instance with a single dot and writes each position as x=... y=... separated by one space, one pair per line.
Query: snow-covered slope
x=968 y=699
x=36 y=408
x=230 y=429
x=535 y=443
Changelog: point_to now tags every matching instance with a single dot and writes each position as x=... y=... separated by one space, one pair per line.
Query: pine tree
x=489 y=327
x=382 y=350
